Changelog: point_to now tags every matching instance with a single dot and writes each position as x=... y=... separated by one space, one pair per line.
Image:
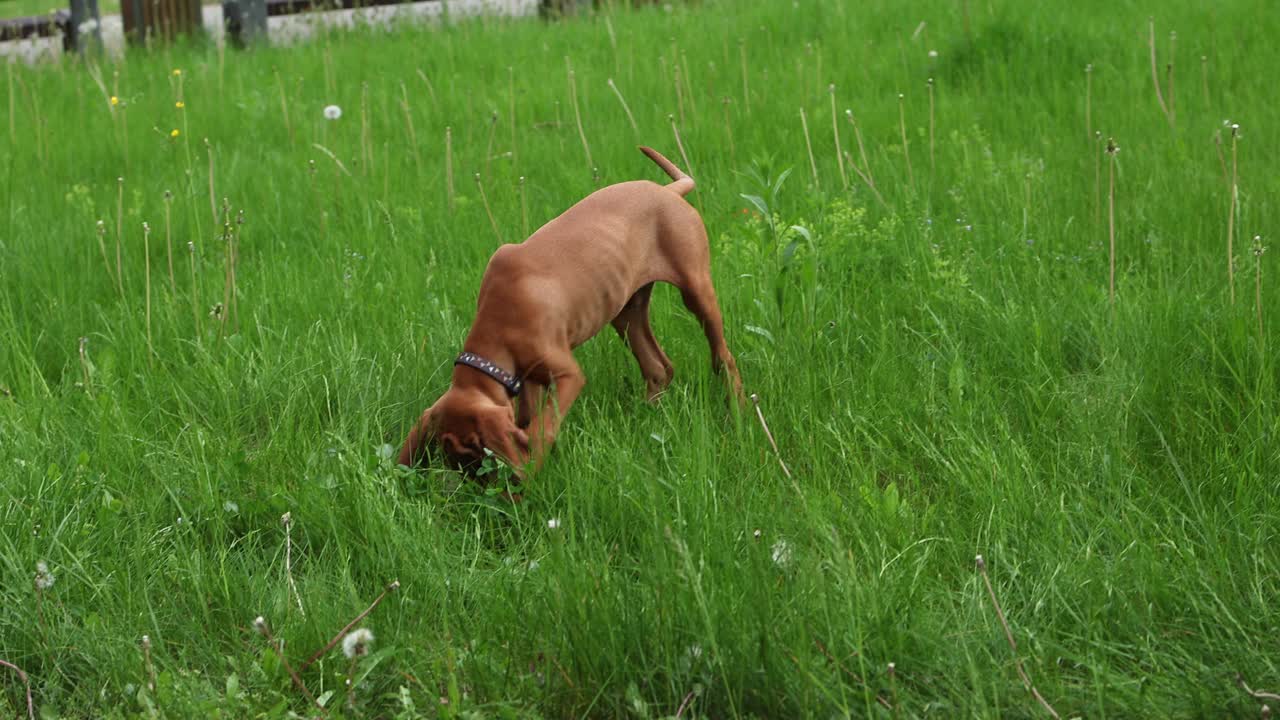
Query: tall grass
x=943 y=376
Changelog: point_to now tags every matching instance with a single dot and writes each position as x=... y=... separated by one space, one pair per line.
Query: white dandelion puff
x=357 y=643
x=44 y=578
x=933 y=54
x=260 y=625
x=332 y=112
x=781 y=553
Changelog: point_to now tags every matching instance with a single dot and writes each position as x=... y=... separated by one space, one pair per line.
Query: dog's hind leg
x=633 y=327
x=700 y=298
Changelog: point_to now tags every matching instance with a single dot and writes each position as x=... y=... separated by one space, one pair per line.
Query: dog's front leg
x=566 y=381
x=530 y=403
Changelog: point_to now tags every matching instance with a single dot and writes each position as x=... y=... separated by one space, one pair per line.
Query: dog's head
x=460 y=427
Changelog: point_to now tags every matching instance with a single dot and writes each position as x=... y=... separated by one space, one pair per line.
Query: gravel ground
x=281 y=30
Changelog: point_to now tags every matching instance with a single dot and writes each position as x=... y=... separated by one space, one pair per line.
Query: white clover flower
x=781 y=553
x=553 y=524
x=44 y=578
x=933 y=54
x=357 y=643
x=230 y=507
x=332 y=112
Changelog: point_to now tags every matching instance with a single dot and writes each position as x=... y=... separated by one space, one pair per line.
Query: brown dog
x=540 y=299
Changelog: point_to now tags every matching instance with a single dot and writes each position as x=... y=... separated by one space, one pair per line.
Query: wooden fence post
x=84 y=14
x=246 y=21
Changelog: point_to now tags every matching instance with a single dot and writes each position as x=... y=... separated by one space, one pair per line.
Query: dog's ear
x=499 y=434
x=422 y=433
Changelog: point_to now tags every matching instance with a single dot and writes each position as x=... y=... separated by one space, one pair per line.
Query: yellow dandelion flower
x=176 y=71
x=179 y=104
x=115 y=100
x=174 y=133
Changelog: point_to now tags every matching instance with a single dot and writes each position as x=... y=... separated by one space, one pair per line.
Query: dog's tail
x=683 y=184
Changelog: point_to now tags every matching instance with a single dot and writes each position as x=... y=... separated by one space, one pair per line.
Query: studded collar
x=510 y=382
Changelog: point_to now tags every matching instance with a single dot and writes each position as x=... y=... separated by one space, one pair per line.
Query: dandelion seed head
x=260 y=625
x=146 y=642
x=781 y=553
x=332 y=112
x=44 y=578
x=933 y=54
x=357 y=642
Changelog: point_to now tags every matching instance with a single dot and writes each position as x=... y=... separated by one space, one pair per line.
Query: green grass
x=26 y=8
x=944 y=375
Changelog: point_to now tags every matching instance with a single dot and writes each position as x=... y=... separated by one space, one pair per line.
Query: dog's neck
x=472 y=380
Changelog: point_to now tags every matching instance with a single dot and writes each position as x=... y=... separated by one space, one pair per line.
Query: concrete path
x=285 y=29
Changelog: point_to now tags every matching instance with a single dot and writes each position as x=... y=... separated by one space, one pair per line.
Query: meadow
x=970 y=328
